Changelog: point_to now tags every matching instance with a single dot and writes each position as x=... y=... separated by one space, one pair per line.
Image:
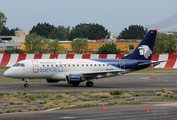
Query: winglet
x=154 y=29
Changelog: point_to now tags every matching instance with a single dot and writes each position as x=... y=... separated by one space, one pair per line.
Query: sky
x=114 y=15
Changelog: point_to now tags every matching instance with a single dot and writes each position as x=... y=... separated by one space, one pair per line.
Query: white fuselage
x=56 y=68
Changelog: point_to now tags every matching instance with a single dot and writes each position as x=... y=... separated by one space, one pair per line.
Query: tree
x=164 y=43
x=33 y=43
x=68 y=29
x=79 y=44
x=90 y=31
x=13 y=51
x=108 y=49
x=133 y=32
x=7 y=32
x=170 y=44
x=38 y=44
x=54 y=46
x=60 y=33
x=43 y=29
x=43 y=47
x=3 y=20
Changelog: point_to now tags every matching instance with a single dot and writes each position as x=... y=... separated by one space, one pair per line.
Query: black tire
x=26 y=85
x=68 y=81
x=89 y=84
x=76 y=84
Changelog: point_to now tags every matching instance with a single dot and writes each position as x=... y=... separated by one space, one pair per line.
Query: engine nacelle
x=74 y=78
x=52 y=81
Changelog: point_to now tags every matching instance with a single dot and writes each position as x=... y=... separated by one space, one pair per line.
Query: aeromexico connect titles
x=75 y=71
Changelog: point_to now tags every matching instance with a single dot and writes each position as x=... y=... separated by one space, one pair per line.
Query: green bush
x=18 y=51
x=116 y=92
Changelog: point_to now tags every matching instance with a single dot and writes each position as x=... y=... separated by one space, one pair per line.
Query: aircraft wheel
x=26 y=85
x=76 y=84
x=89 y=84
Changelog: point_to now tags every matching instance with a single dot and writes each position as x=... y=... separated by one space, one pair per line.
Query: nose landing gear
x=26 y=85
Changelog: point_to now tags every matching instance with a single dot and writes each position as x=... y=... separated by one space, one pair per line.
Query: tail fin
x=145 y=48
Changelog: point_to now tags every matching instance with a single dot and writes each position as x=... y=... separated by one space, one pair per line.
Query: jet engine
x=74 y=78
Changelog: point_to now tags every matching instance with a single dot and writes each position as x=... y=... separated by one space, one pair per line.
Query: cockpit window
x=22 y=65
x=19 y=65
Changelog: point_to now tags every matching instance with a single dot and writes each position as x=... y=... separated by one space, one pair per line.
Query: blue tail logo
x=145 y=50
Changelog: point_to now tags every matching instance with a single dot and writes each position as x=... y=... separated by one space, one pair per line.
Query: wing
x=99 y=74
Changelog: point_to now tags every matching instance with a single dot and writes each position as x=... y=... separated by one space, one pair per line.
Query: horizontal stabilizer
x=152 y=63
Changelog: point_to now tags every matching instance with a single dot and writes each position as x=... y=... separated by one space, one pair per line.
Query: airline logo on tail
x=145 y=50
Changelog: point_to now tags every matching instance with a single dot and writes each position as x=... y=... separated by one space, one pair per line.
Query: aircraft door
x=121 y=64
x=35 y=66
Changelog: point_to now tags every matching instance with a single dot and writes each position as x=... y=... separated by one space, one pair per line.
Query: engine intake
x=73 y=78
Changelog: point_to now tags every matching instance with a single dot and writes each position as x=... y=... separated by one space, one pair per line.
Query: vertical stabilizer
x=145 y=48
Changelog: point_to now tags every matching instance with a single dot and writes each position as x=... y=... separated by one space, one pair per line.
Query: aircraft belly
x=58 y=76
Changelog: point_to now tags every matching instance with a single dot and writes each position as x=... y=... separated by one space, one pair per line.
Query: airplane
x=75 y=71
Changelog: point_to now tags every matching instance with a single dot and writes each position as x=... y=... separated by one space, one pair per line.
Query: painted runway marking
x=170 y=80
x=67 y=117
x=167 y=104
x=149 y=78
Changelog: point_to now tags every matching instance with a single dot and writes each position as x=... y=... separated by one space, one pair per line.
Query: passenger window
x=90 y=64
x=86 y=64
x=95 y=64
x=82 y=64
x=78 y=65
x=103 y=65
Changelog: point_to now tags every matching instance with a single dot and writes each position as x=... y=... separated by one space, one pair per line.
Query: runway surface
x=130 y=112
x=131 y=82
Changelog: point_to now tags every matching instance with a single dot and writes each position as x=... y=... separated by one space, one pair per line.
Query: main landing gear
x=26 y=85
x=89 y=84
x=76 y=84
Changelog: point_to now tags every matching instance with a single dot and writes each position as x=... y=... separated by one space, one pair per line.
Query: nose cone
x=7 y=73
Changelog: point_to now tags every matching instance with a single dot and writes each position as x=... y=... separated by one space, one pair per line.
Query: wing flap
x=101 y=74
